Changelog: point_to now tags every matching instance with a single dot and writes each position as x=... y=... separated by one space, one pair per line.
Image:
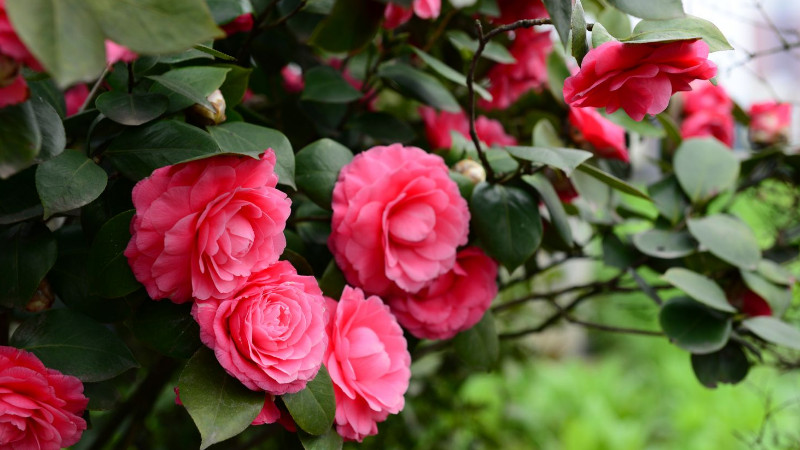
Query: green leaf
x=137 y=152
x=54 y=139
x=492 y=50
x=235 y=85
x=213 y=52
x=330 y=440
x=109 y=273
x=479 y=346
x=69 y=181
x=669 y=199
x=775 y=273
x=383 y=127
x=600 y=35
x=22 y=139
x=318 y=166
x=612 y=181
x=699 y=287
x=566 y=159
x=693 y=327
x=560 y=13
x=26 y=255
x=688 y=27
x=557 y=72
x=63 y=35
x=705 y=167
x=642 y=127
x=617 y=253
x=350 y=26
x=451 y=74
x=313 y=408
x=155 y=26
x=325 y=84
x=74 y=345
x=220 y=406
x=102 y=396
x=168 y=328
x=615 y=23
x=507 y=222
x=50 y=93
x=728 y=365
x=332 y=282
x=774 y=330
x=653 y=9
x=727 y=238
x=18 y=198
x=132 y=109
x=778 y=297
x=224 y=11
x=189 y=85
x=418 y=85
x=580 y=46
x=557 y=214
x=248 y=139
x=665 y=244
x=545 y=135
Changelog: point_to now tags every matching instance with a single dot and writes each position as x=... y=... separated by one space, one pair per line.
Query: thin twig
x=286 y=18
x=613 y=329
x=94 y=90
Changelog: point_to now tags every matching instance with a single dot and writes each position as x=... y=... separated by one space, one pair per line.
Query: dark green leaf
x=688 y=27
x=560 y=13
x=219 y=404
x=318 y=166
x=705 y=167
x=350 y=25
x=666 y=244
x=168 y=328
x=313 y=408
x=332 y=282
x=102 y=396
x=224 y=11
x=74 y=345
x=248 y=139
x=109 y=273
x=507 y=222
x=612 y=181
x=328 y=441
x=653 y=9
x=22 y=138
x=778 y=297
x=419 y=85
x=383 y=127
x=774 y=330
x=131 y=109
x=479 y=346
x=617 y=253
x=236 y=81
x=693 y=327
x=18 y=198
x=566 y=159
x=580 y=45
x=54 y=139
x=669 y=199
x=189 y=85
x=450 y=73
x=728 y=238
x=50 y=93
x=325 y=84
x=728 y=365
x=699 y=287
x=26 y=255
x=69 y=181
x=557 y=214
x=215 y=53
x=492 y=50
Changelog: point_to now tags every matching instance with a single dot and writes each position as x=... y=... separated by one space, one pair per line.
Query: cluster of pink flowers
x=396 y=15
x=708 y=111
x=13 y=55
x=439 y=125
x=770 y=122
x=598 y=134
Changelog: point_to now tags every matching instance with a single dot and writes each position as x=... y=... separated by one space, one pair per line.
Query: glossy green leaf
x=48 y=91
x=728 y=365
x=330 y=440
x=325 y=84
x=139 y=151
x=350 y=25
x=69 y=181
x=54 y=139
x=74 y=345
x=313 y=408
x=418 y=85
x=22 y=138
x=102 y=395
x=235 y=86
x=186 y=86
x=779 y=297
x=705 y=167
x=479 y=346
x=248 y=139
x=669 y=199
x=727 y=238
x=220 y=406
x=492 y=50
x=688 y=27
x=18 y=198
x=110 y=275
x=580 y=45
x=450 y=73
x=318 y=166
x=132 y=109
x=693 y=327
x=213 y=52
x=699 y=287
x=560 y=13
x=774 y=330
x=653 y=9
x=507 y=222
x=557 y=214
x=26 y=255
x=600 y=35
x=611 y=181
x=382 y=127
x=566 y=159
x=665 y=244
x=167 y=327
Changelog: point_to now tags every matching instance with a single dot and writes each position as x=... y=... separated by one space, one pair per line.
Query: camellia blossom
x=271 y=334
x=202 y=227
x=714 y=123
x=241 y=24
x=704 y=96
x=368 y=362
x=606 y=138
x=292 y=76
x=40 y=408
x=639 y=78
x=13 y=88
x=116 y=53
x=438 y=127
x=770 y=122
x=398 y=219
x=395 y=15
x=13 y=55
x=454 y=302
x=754 y=305
x=74 y=98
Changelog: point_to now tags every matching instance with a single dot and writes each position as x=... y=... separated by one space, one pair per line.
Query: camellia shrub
x=266 y=211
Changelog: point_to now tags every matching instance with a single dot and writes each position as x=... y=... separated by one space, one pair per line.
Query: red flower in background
x=395 y=15
x=241 y=24
x=770 y=122
x=708 y=112
x=607 y=139
x=13 y=55
x=439 y=125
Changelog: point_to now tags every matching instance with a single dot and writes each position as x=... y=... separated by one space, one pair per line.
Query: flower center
x=412 y=222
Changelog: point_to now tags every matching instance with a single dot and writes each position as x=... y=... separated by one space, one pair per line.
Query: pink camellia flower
x=704 y=96
x=606 y=138
x=292 y=78
x=13 y=88
x=770 y=122
x=513 y=10
x=368 y=361
x=439 y=125
x=398 y=219
x=715 y=123
x=639 y=78
x=13 y=55
x=454 y=302
x=10 y=43
x=241 y=24
x=116 y=53
x=75 y=97
x=395 y=15
x=271 y=334
x=40 y=408
x=202 y=227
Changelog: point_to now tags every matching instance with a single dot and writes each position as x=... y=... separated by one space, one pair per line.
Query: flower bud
x=42 y=299
x=203 y=115
x=471 y=169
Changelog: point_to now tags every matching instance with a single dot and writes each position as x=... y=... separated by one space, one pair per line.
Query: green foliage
x=479 y=347
x=314 y=407
x=68 y=181
x=693 y=327
x=318 y=166
x=132 y=109
x=699 y=287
